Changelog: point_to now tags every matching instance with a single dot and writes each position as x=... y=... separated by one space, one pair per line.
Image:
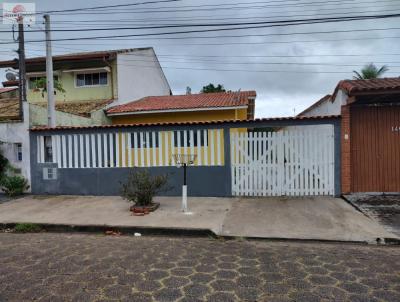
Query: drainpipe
x=111 y=76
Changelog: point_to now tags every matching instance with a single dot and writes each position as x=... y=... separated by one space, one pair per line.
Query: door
x=375 y=149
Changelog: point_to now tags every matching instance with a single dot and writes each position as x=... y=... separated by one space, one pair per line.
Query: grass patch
x=27 y=228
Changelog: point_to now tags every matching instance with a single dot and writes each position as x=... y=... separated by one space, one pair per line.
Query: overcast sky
x=285 y=85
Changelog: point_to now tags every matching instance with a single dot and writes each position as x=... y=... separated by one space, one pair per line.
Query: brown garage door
x=375 y=143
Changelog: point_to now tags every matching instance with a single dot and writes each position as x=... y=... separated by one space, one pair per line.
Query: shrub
x=27 y=228
x=141 y=187
x=3 y=166
x=14 y=185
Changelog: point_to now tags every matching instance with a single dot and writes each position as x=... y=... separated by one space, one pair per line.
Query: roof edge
x=217 y=122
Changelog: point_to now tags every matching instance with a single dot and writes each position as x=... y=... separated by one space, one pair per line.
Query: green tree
x=211 y=88
x=41 y=84
x=3 y=166
x=370 y=71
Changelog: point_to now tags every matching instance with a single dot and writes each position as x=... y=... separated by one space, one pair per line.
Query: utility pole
x=51 y=111
x=21 y=67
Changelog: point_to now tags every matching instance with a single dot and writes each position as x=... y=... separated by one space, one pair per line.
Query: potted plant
x=140 y=189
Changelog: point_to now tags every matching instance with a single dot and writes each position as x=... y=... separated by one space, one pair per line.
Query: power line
x=240 y=56
x=280 y=24
x=271 y=34
x=106 y=6
x=221 y=17
x=158 y=10
x=219 y=24
x=247 y=70
x=262 y=43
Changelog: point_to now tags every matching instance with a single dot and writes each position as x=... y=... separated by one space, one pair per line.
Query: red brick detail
x=346 y=150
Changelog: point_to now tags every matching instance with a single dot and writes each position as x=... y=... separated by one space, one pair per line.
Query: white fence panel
x=295 y=162
x=133 y=149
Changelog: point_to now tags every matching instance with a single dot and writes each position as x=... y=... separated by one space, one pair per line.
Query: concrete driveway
x=323 y=218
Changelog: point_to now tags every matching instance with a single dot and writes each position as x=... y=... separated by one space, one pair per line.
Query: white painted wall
x=139 y=74
x=17 y=132
x=328 y=107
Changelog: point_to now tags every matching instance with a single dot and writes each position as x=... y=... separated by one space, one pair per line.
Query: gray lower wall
x=202 y=181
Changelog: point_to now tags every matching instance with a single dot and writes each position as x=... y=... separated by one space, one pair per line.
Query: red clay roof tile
x=189 y=101
x=373 y=85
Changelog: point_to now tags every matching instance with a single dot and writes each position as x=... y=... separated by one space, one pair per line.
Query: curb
x=182 y=232
x=156 y=231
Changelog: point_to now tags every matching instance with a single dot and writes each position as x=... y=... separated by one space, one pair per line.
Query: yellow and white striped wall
x=131 y=149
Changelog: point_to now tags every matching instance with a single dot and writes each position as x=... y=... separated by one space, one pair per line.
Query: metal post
x=184 y=190
x=51 y=111
x=21 y=67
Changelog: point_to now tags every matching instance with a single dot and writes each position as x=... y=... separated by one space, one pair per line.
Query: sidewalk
x=319 y=218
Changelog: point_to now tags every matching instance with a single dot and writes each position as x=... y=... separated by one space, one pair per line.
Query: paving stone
x=175 y=282
x=223 y=285
x=221 y=297
x=43 y=267
x=201 y=278
x=196 y=290
x=386 y=295
x=322 y=280
x=168 y=294
x=354 y=288
x=226 y=274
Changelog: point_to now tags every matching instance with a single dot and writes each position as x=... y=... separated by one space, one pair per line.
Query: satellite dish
x=10 y=76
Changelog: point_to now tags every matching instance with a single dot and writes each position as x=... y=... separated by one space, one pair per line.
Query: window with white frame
x=91 y=79
x=49 y=173
x=18 y=151
x=33 y=82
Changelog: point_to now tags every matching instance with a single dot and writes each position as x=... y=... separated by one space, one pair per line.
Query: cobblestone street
x=79 y=267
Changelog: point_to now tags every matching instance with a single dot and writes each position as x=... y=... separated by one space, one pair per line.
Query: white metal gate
x=295 y=161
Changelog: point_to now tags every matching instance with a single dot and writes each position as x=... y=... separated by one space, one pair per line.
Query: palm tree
x=370 y=71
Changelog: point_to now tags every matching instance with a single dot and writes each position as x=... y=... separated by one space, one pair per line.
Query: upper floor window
x=91 y=79
x=37 y=82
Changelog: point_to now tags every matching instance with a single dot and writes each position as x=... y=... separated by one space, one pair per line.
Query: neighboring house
x=370 y=111
x=91 y=80
x=186 y=108
x=14 y=136
x=8 y=92
x=322 y=107
x=100 y=76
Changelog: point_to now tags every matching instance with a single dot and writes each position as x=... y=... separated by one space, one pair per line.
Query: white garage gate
x=297 y=161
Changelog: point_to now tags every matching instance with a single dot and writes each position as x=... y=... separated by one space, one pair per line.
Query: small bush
x=14 y=185
x=3 y=166
x=27 y=228
x=141 y=187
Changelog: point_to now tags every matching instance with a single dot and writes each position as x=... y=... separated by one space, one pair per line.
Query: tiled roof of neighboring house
x=365 y=86
x=74 y=56
x=9 y=109
x=83 y=108
x=316 y=104
x=14 y=83
x=184 y=102
x=7 y=89
x=236 y=122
